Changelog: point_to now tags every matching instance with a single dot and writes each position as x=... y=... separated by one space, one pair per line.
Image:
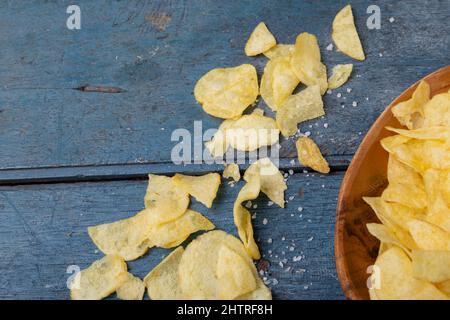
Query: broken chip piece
x=232 y=171
x=260 y=40
x=203 y=188
x=340 y=75
x=227 y=92
x=280 y=50
x=100 y=279
x=309 y=155
x=345 y=35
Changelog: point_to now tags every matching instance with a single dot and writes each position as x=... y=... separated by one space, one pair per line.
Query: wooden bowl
x=355 y=249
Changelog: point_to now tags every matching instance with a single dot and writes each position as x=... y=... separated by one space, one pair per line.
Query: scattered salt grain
x=391 y=19
x=330 y=47
x=300 y=209
x=265 y=221
x=310 y=239
x=248 y=204
x=354 y=103
x=339 y=95
x=291 y=198
x=325 y=125
x=269 y=240
x=291 y=172
x=255 y=206
x=349 y=90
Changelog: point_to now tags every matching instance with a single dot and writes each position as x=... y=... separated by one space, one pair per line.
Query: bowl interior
x=355 y=248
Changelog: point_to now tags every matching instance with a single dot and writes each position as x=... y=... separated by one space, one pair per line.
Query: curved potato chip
x=309 y=155
x=203 y=188
x=426 y=133
x=306 y=64
x=198 y=265
x=280 y=50
x=162 y=282
x=436 y=112
x=303 y=106
x=340 y=75
x=234 y=275
x=260 y=40
x=278 y=82
x=247 y=133
x=164 y=197
x=409 y=112
x=345 y=35
x=437 y=187
x=397 y=281
x=126 y=238
x=382 y=233
x=132 y=289
x=433 y=266
x=100 y=279
x=407 y=195
x=429 y=236
x=173 y=233
x=227 y=92
x=271 y=179
x=260 y=293
x=232 y=171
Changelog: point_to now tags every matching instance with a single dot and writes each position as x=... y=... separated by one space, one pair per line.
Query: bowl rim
x=345 y=280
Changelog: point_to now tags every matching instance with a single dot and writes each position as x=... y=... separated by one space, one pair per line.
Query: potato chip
x=437 y=187
x=441 y=133
x=242 y=217
x=382 y=233
x=248 y=133
x=260 y=40
x=397 y=281
x=305 y=61
x=278 y=82
x=198 y=268
x=340 y=75
x=395 y=217
x=173 y=233
x=280 y=50
x=429 y=236
x=227 y=92
x=271 y=179
x=203 y=188
x=436 y=112
x=444 y=287
x=345 y=35
x=303 y=106
x=260 y=293
x=126 y=238
x=309 y=155
x=234 y=275
x=433 y=266
x=132 y=289
x=162 y=282
x=409 y=112
x=165 y=197
x=232 y=171
x=100 y=279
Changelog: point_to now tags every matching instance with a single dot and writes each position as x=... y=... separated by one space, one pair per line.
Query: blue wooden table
x=70 y=158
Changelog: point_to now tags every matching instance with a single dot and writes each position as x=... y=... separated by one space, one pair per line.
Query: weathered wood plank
x=43 y=231
x=156 y=51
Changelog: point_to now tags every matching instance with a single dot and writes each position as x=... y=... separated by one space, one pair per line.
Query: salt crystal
x=330 y=47
x=349 y=90
x=307 y=133
x=255 y=206
x=248 y=204
x=291 y=172
x=265 y=221
x=300 y=209
x=391 y=19
x=325 y=125
x=291 y=198
x=339 y=95
x=270 y=203
x=310 y=239
x=269 y=240
x=354 y=103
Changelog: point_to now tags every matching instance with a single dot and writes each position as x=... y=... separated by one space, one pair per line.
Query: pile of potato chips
x=217 y=265
x=414 y=209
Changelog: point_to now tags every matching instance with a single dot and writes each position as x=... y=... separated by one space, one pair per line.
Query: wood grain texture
x=43 y=231
x=157 y=50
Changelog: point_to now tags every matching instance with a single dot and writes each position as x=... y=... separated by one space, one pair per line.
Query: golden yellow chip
x=309 y=155
x=203 y=188
x=382 y=233
x=234 y=275
x=247 y=133
x=100 y=279
x=271 y=179
x=227 y=92
x=126 y=238
x=260 y=293
x=444 y=287
x=278 y=82
x=303 y=106
x=437 y=187
x=436 y=112
x=441 y=133
x=132 y=289
x=162 y=282
x=433 y=266
x=232 y=171
x=340 y=75
x=199 y=267
x=260 y=40
x=280 y=50
x=429 y=236
x=410 y=112
x=396 y=280
x=173 y=233
x=305 y=61
x=165 y=197
x=345 y=35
